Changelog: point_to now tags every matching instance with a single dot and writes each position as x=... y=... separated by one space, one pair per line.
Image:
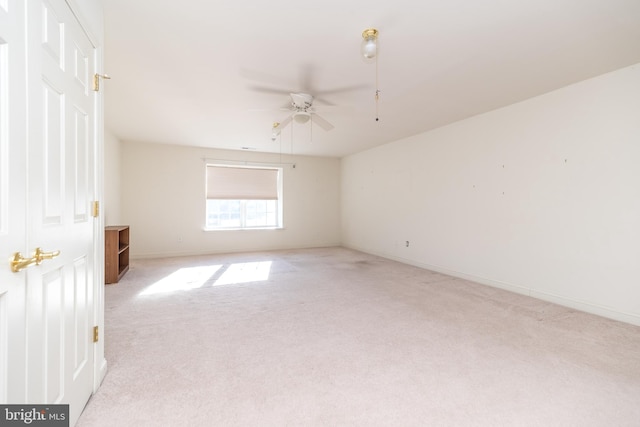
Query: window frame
x=243 y=202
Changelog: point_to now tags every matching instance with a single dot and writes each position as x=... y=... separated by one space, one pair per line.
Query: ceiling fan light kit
x=302 y=111
x=301 y=116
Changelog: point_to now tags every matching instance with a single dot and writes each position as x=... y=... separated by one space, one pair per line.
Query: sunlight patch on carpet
x=183 y=279
x=244 y=273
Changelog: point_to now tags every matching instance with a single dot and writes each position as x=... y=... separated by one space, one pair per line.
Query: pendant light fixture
x=369 y=50
x=275 y=131
x=369 y=43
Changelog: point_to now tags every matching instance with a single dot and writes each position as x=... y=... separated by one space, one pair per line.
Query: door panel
x=61 y=148
x=81 y=318
x=52 y=35
x=81 y=166
x=13 y=142
x=50 y=161
x=48 y=140
x=4 y=195
x=52 y=355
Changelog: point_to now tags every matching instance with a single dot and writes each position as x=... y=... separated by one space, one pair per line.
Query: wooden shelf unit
x=116 y=252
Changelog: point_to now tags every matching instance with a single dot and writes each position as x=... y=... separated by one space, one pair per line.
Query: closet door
x=48 y=306
x=13 y=191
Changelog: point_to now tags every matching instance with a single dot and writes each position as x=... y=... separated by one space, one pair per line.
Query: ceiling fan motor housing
x=301 y=101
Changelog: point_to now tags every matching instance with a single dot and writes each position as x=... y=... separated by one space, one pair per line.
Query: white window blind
x=241 y=183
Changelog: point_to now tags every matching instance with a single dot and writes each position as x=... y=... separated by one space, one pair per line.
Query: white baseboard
x=585 y=306
x=176 y=254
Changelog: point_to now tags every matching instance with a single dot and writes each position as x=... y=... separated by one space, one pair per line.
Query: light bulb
x=369 y=48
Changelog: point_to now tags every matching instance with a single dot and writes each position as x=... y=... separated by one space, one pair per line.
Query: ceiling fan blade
x=260 y=110
x=331 y=109
x=265 y=78
x=323 y=101
x=265 y=89
x=306 y=78
x=351 y=88
x=285 y=122
x=323 y=123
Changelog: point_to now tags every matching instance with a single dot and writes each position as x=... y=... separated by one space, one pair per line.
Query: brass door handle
x=19 y=262
x=41 y=255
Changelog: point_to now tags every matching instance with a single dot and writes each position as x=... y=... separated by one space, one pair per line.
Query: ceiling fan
x=301 y=102
x=302 y=111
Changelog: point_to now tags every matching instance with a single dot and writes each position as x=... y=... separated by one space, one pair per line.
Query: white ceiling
x=185 y=72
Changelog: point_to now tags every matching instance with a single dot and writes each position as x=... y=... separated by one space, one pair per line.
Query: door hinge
x=95 y=334
x=96 y=81
x=95 y=208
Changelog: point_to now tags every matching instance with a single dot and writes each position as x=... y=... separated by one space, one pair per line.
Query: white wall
x=163 y=201
x=541 y=197
x=111 y=204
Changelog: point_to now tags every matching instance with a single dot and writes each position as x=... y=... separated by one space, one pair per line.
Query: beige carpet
x=334 y=337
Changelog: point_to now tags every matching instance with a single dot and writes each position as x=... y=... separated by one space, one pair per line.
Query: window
x=243 y=197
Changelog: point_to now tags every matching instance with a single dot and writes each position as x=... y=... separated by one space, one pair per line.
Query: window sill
x=243 y=229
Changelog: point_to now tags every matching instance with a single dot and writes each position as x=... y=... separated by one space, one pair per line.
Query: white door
x=13 y=140
x=50 y=304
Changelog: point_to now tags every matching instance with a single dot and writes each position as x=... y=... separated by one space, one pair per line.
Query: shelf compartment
x=116 y=252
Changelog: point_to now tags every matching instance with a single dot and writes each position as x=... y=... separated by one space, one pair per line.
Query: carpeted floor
x=334 y=337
